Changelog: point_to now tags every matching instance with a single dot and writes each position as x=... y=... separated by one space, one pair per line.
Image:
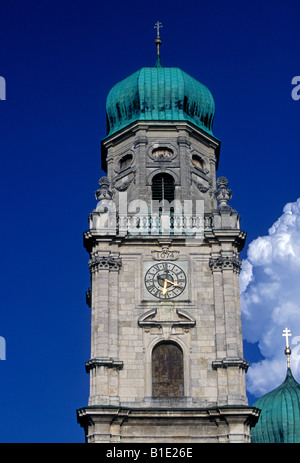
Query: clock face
x=165 y=280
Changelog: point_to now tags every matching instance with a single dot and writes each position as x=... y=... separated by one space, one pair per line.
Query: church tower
x=166 y=341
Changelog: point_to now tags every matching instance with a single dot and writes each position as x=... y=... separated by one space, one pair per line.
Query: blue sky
x=59 y=59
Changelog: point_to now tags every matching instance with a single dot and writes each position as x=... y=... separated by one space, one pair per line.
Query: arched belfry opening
x=163 y=188
x=167 y=370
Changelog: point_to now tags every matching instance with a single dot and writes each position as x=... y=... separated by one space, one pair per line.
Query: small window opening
x=162 y=153
x=125 y=161
x=197 y=161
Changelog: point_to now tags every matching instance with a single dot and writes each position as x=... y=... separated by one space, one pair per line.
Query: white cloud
x=270 y=299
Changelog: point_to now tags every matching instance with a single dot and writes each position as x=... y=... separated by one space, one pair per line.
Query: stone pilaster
x=184 y=148
x=102 y=367
x=140 y=145
x=229 y=363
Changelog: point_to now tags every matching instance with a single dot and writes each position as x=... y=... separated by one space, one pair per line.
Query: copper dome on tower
x=159 y=94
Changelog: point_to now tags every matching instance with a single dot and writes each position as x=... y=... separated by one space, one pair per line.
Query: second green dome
x=279 y=420
x=159 y=94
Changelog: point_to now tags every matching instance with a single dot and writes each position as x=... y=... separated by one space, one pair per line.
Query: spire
x=158 y=42
x=287 y=351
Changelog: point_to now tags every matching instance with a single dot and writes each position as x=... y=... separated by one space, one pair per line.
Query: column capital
x=221 y=263
x=100 y=262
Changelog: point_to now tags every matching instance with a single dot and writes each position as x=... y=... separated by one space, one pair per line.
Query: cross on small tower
x=157 y=26
x=287 y=333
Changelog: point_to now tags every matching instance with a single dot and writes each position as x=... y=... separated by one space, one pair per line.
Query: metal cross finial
x=287 y=333
x=157 y=26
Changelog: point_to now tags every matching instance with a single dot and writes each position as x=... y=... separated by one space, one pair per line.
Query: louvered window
x=163 y=188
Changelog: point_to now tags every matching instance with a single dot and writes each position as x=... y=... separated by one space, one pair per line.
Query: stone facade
x=200 y=321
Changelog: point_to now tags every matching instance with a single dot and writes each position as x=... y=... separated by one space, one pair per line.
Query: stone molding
x=103 y=362
x=184 y=319
x=184 y=141
x=111 y=424
x=230 y=362
x=141 y=140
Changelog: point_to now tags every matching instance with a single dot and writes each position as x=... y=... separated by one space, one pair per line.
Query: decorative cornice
x=99 y=262
x=236 y=237
x=183 y=319
x=230 y=362
x=212 y=415
x=103 y=362
x=221 y=263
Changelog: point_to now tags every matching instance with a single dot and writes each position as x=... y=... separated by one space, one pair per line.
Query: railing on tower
x=163 y=215
x=141 y=224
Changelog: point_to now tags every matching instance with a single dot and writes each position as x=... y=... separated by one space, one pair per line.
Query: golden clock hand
x=165 y=289
x=172 y=283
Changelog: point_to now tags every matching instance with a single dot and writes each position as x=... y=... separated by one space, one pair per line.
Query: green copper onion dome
x=159 y=94
x=279 y=420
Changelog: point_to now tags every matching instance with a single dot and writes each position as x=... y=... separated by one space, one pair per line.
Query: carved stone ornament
x=103 y=192
x=223 y=194
x=124 y=185
x=201 y=187
x=162 y=154
x=166 y=320
x=165 y=254
x=99 y=262
x=221 y=263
